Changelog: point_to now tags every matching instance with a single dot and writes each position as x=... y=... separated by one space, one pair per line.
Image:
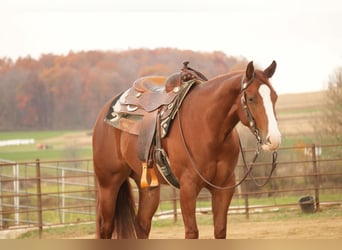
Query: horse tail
x=125 y=214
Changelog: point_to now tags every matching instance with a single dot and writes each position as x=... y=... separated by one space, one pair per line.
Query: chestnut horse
x=203 y=150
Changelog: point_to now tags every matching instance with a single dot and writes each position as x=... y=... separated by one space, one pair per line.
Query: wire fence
x=42 y=194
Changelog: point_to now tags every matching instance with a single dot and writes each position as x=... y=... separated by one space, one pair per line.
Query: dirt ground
x=322 y=228
x=307 y=228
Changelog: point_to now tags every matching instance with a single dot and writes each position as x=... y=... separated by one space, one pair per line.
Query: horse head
x=257 y=106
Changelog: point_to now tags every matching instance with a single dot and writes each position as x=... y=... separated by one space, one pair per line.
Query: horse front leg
x=188 y=205
x=220 y=203
x=148 y=203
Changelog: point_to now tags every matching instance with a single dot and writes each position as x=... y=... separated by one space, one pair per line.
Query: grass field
x=61 y=145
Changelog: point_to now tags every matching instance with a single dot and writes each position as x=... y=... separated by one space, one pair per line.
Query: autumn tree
x=328 y=126
x=67 y=91
x=8 y=103
x=333 y=114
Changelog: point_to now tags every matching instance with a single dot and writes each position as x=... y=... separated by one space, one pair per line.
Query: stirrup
x=143 y=181
x=154 y=178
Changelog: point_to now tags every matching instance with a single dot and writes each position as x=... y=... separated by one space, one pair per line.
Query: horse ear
x=250 y=70
x=271 y=69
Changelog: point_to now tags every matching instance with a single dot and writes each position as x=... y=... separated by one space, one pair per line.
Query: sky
x=303 y=36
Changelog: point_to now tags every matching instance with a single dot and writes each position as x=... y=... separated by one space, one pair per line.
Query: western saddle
x=147 y=110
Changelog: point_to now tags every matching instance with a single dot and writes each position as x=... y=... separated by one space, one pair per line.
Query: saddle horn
x=193 y=73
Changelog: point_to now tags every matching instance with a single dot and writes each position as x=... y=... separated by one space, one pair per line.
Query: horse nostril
x=268 y=140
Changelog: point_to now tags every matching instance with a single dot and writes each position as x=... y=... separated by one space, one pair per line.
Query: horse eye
x=250 y=99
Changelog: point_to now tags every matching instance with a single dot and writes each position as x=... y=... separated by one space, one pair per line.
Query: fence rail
x=47 y=193
x=38 y=194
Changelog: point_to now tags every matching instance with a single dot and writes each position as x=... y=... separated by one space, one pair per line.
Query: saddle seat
x=150 y=84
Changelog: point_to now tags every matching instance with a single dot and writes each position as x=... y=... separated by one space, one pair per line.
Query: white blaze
x=273 y=137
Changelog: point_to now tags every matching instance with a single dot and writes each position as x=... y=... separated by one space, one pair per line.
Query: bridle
x=255 y=131
x=251 y=121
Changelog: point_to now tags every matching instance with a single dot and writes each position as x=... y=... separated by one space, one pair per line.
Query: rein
x=196 y=169
x=249 y=168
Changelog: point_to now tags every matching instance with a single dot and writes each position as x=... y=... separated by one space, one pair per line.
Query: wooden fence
x=42 y=194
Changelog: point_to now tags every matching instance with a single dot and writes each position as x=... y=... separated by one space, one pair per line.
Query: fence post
x=39 y=199
x=174 y=205
x=63 y=196
x=1 y=216
x=245 y=192
x=246 y=199
x=317 y=176
x=16 y=191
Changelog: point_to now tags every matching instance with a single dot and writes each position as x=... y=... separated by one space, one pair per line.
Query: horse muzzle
x=273 y=142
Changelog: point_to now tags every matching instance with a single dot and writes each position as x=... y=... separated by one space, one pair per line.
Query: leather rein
x=255 y=131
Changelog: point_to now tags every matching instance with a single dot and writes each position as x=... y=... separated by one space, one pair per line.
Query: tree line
x=67 y=91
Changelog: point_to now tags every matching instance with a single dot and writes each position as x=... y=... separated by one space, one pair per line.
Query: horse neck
x=218 y=101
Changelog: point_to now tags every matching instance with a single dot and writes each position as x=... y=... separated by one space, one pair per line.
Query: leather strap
x=146 y=135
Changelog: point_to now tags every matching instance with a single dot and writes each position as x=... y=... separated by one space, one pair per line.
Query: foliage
x=332 y=120
x=67 y=92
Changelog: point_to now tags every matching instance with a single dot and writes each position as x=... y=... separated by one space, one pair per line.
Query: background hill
x=298 y=113
x=300 y=119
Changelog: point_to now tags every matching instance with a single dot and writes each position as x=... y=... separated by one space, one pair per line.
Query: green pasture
x=37 y=135
x=61 y=145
